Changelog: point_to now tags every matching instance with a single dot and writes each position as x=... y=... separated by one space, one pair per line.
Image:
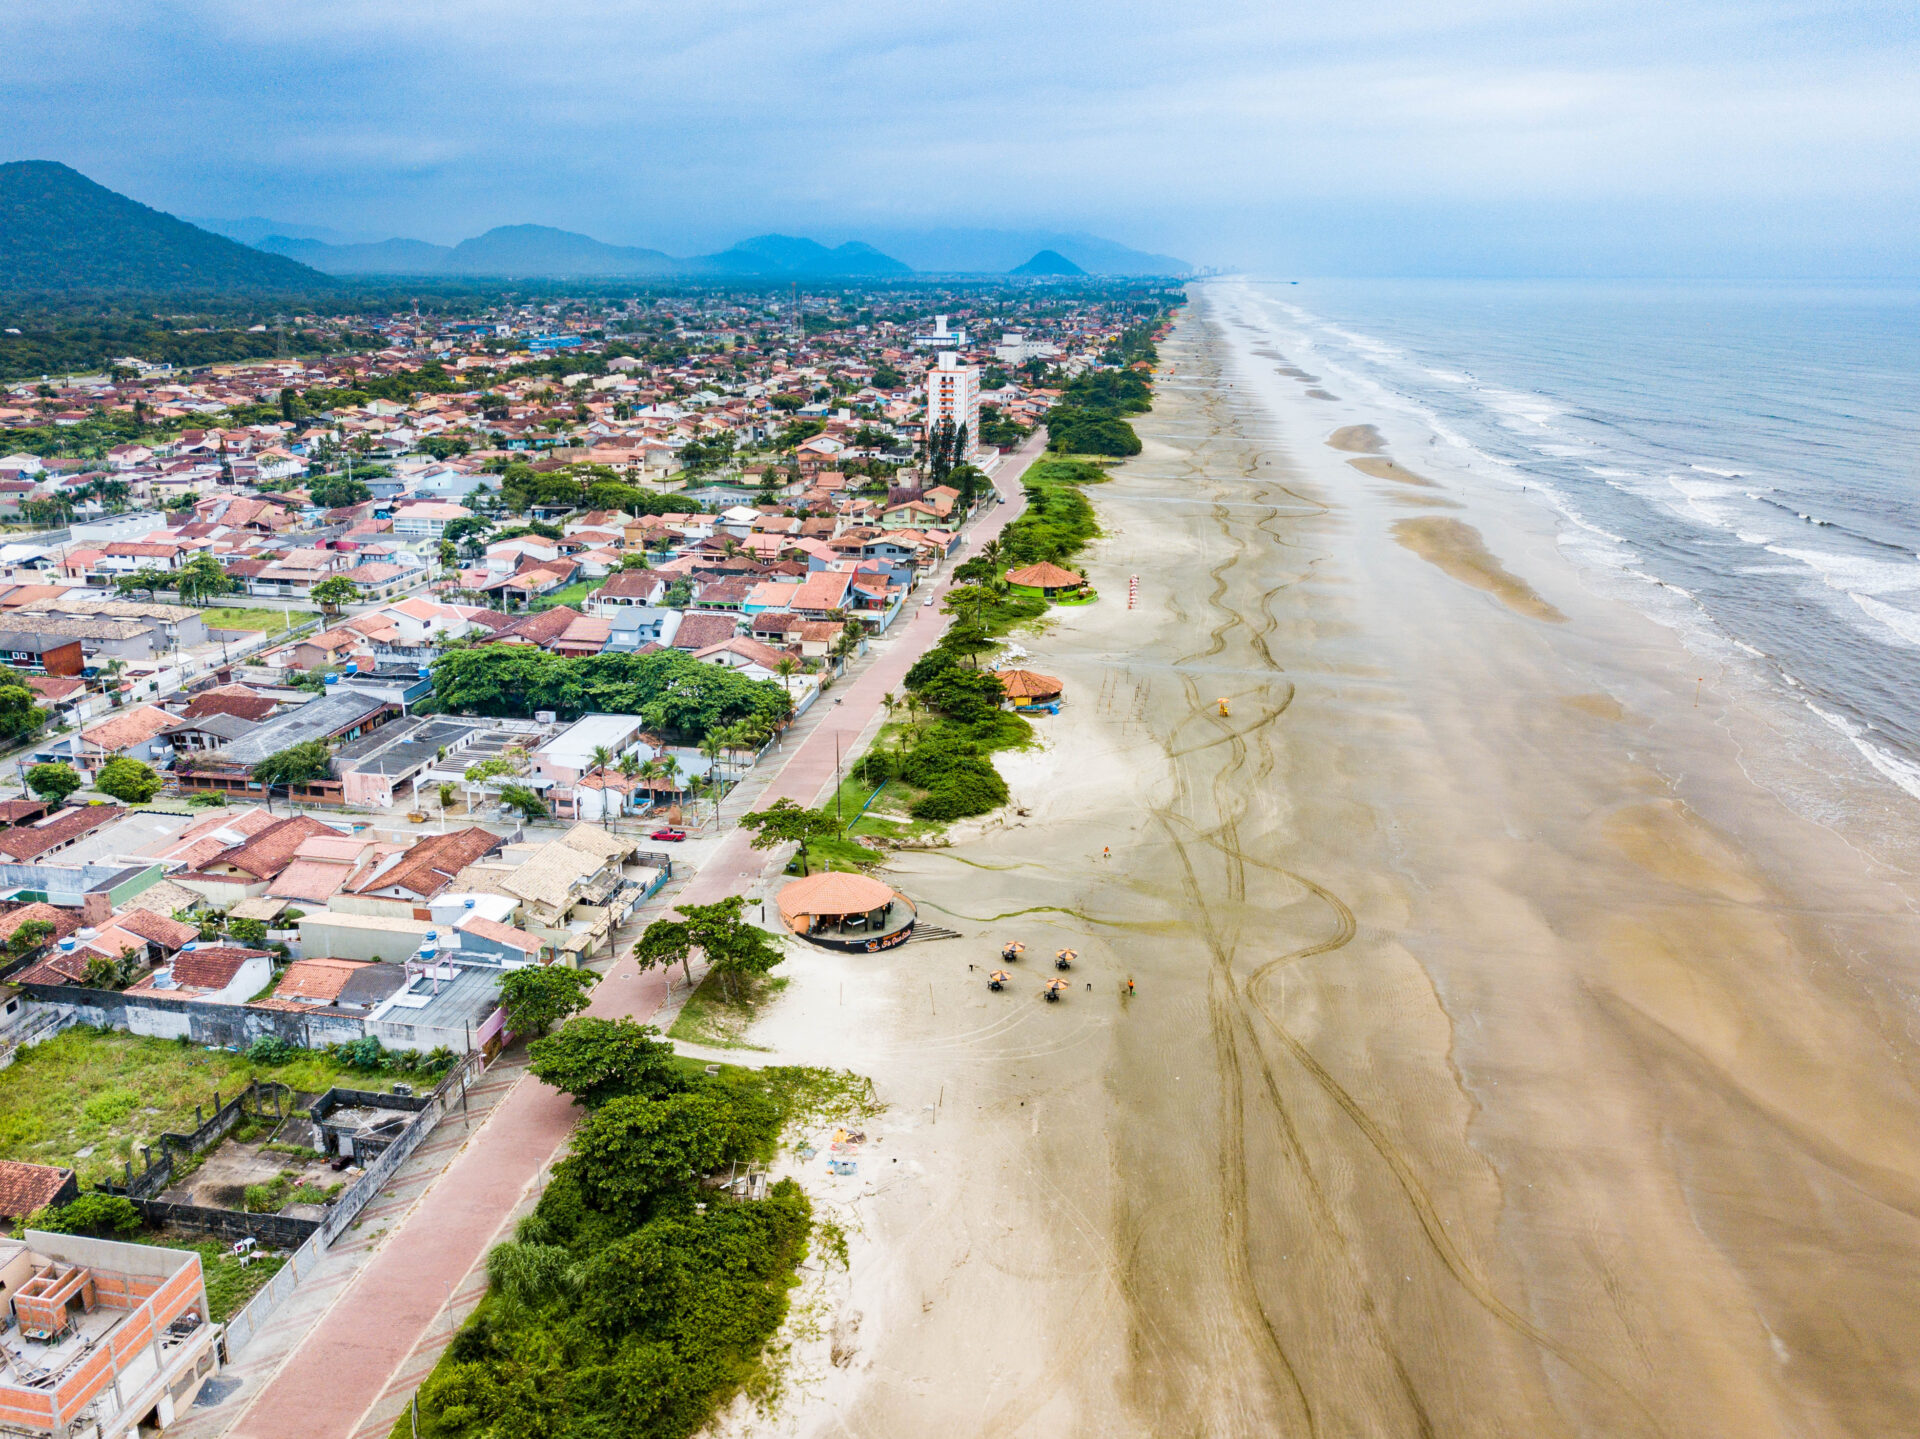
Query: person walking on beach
x=1106 y=851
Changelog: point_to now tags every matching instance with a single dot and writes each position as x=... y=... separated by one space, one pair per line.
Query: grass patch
x=273 y=621
x=229 y=1285
x=570 y=595
x=834 y=852
x=712 y=1018
x=108 y=1093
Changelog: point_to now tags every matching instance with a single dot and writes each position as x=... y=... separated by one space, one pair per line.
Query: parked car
x=674 y=835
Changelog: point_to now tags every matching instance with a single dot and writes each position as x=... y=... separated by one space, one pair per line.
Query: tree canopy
x=302 y=763
x=128 y=779
x=539 y=997
x=785 y=822
x=20 y=716
x=596 y=1060
x=670 y=691
x=54 y=781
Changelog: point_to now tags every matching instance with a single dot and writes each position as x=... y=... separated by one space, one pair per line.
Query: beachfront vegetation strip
x=1090 y=417
x=632 y=1300
x=947 y=760
x=672 y=692
x=88 y=1099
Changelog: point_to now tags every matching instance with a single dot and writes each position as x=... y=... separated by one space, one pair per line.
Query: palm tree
x=710 y=748
x=602 y=757
x=668 y=769
x=785 y=668
x=630 y=769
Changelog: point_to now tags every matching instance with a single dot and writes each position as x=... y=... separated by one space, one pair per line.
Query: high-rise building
x=953 y=393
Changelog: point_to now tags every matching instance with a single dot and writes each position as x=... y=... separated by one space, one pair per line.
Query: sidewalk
x=382 y=1332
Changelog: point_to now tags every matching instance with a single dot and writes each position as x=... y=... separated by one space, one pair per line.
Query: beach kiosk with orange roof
x=1026 y=689
x=1047 y=580
x=847 y=912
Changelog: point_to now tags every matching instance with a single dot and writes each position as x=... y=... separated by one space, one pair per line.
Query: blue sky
x=1371 y=136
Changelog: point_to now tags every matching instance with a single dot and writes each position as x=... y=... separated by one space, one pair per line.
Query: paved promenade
x=351 y=1374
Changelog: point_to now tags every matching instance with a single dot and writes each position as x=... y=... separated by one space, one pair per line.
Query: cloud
x=1213 y=133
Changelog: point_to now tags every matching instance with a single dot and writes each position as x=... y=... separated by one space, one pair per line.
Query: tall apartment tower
x=953 y=393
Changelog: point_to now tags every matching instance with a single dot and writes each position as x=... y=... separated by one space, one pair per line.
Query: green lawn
x=573 y=594
x=89 y=1099
x=274 y=621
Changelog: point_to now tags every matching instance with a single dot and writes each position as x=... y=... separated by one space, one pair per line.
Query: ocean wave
x=1903 y=623
x=1901 y=770
x=1856 y=574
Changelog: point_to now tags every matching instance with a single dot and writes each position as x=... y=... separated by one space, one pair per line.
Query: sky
x=1475 y=137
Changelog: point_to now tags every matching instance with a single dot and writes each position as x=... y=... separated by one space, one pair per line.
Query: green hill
x=1048 y=262
x=60 y=231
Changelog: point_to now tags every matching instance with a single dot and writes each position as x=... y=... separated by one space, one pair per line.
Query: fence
x=344 y=1210
x=158 y=1174
x=241 y=1327
x=46 y=1021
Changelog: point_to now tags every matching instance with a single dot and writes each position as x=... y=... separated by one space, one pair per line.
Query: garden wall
x=235 y=1026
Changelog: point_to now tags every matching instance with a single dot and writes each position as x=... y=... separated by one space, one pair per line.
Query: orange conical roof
x=1044 y=576
x=1025 y=684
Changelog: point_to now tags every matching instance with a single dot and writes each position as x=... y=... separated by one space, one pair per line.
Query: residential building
x=953 y=393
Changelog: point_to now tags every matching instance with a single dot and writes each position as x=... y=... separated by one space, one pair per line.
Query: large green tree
x=633 y=1148
x=128 y=779
x=301 y=763
x=540 y=996
x=202 y=578
x=19 y=715
x=54 y=781
x=785 y=822
x=596 y=1060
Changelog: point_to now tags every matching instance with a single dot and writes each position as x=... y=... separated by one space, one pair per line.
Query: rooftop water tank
x=331 y=680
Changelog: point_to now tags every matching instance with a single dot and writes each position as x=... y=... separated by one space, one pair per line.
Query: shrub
x=961 y=795
x=271 y=1049
x=110 y=1215
x=260 y=1198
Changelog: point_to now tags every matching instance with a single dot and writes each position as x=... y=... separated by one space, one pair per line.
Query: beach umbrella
x=1066 y=954
x=1014 y=946
x=1000 y=976
x=1056 y=984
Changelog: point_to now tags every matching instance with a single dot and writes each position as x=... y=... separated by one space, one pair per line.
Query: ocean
x=1755 y=450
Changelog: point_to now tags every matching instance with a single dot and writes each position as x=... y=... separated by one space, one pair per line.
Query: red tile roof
x=64 y=921
x=431 y=864
x=271 y=850
x=315 y=981
x=31 y=841
x=27 y=1187
x=235 y=700
x=211 y=968
x=159 y=929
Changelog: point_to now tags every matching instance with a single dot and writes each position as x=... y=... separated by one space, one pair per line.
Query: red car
x=676 y=835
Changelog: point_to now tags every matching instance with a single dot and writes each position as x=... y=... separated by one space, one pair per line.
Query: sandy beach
x=1509 y=1056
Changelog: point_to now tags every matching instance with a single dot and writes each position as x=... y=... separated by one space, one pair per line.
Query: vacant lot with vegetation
x=273 y=621
x=89 y=1099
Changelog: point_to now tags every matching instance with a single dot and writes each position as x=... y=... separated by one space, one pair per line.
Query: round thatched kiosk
x=847 y=911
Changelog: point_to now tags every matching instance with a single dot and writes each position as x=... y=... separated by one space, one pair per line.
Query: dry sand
x=1506 y=1059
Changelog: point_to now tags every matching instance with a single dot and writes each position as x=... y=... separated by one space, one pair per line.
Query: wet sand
x=1506 y=1060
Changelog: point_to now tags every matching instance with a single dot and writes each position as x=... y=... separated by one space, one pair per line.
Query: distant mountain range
x=537 y=250
x=61 y=231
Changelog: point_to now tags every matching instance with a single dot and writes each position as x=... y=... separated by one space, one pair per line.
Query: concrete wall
x=392 y=939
